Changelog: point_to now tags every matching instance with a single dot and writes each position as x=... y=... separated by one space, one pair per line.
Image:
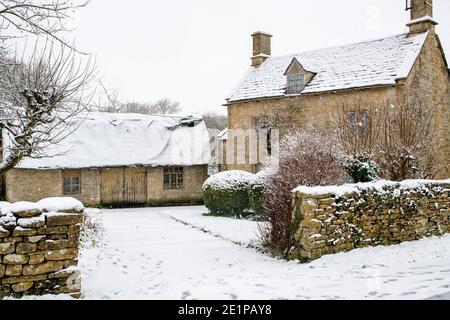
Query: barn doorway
x=124 y=187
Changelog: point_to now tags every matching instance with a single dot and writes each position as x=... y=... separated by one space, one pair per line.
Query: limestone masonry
x=329 y=222
x=39 y=248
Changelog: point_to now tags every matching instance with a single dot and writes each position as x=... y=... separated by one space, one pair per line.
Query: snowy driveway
x=150 y=255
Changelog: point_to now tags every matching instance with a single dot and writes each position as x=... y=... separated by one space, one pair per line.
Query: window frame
x=358 y=122
x=295 y=83
x=173 y=178
x=71 y=182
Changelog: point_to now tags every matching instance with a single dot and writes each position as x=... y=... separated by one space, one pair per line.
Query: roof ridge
x=376 y=62
x=345 y=45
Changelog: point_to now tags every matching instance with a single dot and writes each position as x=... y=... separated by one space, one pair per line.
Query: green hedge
x=256 y=195
x=235 y=194
x=227 y=193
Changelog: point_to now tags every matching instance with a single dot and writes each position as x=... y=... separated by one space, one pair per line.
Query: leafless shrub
x=92 y=230
x=410 y=146
x=306 y=158
x=357 y=128
x=401 y=137
x=40 y=98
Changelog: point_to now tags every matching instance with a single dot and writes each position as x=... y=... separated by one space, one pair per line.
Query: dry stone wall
x=39 y=247
x=331 y=220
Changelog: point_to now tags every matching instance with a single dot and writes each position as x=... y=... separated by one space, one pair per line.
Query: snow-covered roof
x=372 y=63
x=116 y=140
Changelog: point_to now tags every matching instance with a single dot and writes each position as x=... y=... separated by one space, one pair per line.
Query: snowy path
x=149 y=255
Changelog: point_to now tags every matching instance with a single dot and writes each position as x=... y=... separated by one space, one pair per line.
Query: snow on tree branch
x=41 y=18
x=39 y=99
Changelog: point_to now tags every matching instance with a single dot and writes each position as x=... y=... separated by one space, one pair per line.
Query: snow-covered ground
x=176 y=253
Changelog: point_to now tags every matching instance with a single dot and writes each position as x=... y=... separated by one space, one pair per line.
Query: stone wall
x=330 y=220
x=33 y=185
x=39 y=248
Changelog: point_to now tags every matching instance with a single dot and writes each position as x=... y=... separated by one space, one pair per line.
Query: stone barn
x=301 y=90
x=117 y=160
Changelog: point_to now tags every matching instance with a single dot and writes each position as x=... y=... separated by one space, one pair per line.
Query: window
x=264 y=131
x=295 y=83
x=71 y=182
x=173 y=178
x=269 y=142
x=261 y=126
x=358 y=122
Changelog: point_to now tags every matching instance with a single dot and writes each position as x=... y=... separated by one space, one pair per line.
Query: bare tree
x=37 y=17
x=214 y=120
x=41 y=101
x=110 y=101
x=165 y=106
x=137 y=107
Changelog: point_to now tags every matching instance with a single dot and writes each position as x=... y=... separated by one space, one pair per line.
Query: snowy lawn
x=147 y=254
x=241 y=232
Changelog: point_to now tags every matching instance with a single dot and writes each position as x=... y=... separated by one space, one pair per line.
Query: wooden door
x=112 y=187
x=135 y=187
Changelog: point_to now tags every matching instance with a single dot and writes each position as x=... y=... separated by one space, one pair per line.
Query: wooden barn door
x=112 y=187
x=135 y=187
x=124 y=187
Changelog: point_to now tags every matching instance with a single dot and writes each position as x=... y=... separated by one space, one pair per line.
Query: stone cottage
x=119 y=160
x=302 y=89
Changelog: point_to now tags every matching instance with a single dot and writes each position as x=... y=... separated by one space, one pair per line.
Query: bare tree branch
x=110 y=101
x=41 y=18
x=41 y=101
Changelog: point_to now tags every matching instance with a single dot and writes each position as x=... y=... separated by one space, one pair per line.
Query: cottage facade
x=120 y=160
x=302 y=90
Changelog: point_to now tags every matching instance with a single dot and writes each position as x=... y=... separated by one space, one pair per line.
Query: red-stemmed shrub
x=307 y=158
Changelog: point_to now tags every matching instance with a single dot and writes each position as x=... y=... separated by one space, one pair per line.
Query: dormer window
x=295 y=83
x=297 y=77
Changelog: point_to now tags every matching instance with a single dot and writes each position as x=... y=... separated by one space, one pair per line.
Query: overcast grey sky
x=195 y=51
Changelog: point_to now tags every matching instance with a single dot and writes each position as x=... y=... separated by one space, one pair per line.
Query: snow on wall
x=39 y=250
x=371 y=63
x=115 y=140
x=359 y=187
x=61 y=205
x=329 y=220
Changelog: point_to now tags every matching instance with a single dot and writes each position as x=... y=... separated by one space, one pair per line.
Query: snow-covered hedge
x=227 y=193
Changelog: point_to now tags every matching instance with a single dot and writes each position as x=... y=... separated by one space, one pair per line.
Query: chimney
x=261 y=47
x=421 y=16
